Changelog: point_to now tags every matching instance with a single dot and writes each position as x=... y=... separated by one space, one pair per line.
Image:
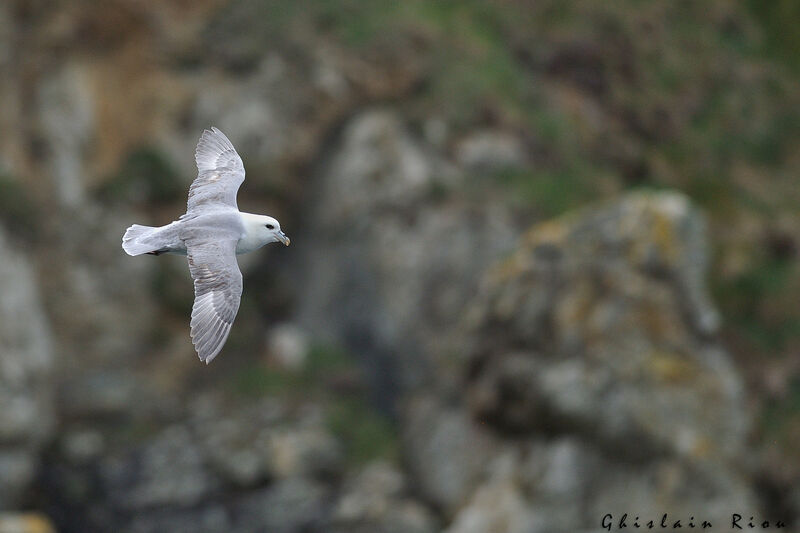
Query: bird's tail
x=134 y=242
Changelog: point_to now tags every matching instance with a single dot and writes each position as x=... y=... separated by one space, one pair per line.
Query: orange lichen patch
x=664 y=236
x=660 y=234
x=702 y=448
x=549 y=232
x=124 y=53
x=110 y=24
x=509 y=268
x=134 y=98
x=576 y=305
x=672 y=367
x=25 y=523
x=113 y=23
x=661 y=327
x=552 y=232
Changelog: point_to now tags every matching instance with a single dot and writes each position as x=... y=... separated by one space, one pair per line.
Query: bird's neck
x=251 y=237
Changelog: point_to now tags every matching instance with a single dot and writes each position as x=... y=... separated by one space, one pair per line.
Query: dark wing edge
x=218 y=291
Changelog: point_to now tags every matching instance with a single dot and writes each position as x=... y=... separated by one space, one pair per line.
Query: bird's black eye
x=270 y=226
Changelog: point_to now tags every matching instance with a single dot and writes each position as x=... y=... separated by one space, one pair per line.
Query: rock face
x=376 y=499
x=591 y=317
x=26 y=389
x=530 y=382
x=387 y=266
x=267 y=466
x=592 y=346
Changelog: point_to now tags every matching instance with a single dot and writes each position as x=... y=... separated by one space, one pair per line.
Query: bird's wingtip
x=210 y=130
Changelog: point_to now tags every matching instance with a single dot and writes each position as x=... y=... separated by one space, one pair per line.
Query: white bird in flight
x=210 y=234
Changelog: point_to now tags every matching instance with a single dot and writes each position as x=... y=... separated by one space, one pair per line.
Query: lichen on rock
x=595 y=332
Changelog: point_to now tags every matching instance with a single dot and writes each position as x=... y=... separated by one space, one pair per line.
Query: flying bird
x=211 y=233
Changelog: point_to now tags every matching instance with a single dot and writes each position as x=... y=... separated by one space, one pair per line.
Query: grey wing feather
x=217 y=293
x=220 y=171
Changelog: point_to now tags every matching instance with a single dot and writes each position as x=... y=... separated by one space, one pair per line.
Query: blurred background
x=544 y=265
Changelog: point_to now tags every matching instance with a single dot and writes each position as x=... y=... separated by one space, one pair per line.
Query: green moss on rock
x=146 y=176
x=18 y=211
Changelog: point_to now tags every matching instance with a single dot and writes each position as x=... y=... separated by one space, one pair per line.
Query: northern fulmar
x=211 y=233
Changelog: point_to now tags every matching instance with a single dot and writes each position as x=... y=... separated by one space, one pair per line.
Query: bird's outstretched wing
x=220 y=172
x=217 y=292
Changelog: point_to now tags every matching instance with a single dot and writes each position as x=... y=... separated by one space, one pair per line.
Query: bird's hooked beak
x=283 y=238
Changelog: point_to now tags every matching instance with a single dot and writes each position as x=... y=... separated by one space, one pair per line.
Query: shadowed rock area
x=26 y=375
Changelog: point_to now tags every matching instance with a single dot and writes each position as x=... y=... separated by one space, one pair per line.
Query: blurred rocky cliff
x=543 y=265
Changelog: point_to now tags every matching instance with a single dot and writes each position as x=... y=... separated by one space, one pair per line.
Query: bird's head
x=266 y=229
